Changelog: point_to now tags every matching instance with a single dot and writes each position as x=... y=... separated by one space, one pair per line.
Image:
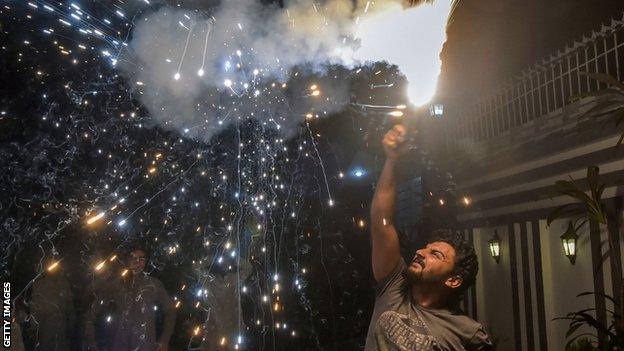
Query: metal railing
x=541 y=90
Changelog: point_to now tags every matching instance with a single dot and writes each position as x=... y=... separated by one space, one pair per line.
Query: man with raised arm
x=416 y=305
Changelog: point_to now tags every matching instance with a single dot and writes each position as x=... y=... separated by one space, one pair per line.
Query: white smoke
x=196 y=71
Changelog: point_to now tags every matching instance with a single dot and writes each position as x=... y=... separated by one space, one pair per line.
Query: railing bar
x=570 y=77
x=547 y=84
x=490 y=114
x=596 y=64
x=578 y=73
x=587 y=70
x=563 y=102
x=539 y=94
x=508 y=108
x=526 y=99
x=617 y=56
x=501 y=113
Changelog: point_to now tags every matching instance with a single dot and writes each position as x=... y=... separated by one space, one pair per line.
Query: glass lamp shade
x=569 y=248
x=568 y=240
x=494 y=245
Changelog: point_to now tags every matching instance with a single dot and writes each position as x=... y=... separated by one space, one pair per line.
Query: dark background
x=491 y=40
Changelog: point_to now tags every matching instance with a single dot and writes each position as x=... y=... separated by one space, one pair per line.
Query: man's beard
x=410 y=275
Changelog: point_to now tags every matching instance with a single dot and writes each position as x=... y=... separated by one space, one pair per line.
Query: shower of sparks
x=230 y=200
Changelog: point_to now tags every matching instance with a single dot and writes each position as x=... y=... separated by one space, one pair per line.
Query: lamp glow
x=568 y=240
x=494 y=245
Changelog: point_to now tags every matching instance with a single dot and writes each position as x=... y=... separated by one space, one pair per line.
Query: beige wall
x=563 y=281
x=493 y=288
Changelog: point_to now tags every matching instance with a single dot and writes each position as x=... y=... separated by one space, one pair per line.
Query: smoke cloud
x=197 y=71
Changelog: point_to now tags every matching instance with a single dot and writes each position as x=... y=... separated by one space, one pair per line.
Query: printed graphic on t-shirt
x=396 y=331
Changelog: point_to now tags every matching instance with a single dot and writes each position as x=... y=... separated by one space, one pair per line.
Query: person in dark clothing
x=416 y=306
x=136 y=298
x=52 y=312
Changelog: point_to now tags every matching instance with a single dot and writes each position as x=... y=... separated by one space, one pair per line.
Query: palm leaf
x=604 y=78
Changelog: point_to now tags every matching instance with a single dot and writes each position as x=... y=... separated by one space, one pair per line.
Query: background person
x=136 y=298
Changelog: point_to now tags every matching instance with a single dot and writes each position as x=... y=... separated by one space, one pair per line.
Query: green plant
x=613 y=106
x=590 y=208
x=614 y=340
x=587 y=207
x=582 y=344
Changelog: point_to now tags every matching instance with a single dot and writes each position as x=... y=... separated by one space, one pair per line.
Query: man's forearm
x=384 y=238
x=386 y=251
x=382 y=207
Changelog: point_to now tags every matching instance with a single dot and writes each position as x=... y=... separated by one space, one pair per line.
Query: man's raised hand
x=394 y=142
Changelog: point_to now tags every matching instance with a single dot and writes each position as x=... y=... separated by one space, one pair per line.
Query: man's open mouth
x=419 y=262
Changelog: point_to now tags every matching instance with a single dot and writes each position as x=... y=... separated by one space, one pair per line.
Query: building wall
x=518 y=298
x=564 y=281
x=493 y=288
x=507 y=151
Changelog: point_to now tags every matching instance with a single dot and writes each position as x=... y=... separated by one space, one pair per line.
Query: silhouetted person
x=136 y=298
x=225 y=314
x=52 y=312
x=416 y=306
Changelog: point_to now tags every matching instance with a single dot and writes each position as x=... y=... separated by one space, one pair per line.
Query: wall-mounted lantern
x=568 y=239
x=494 y=245
x=436 y=110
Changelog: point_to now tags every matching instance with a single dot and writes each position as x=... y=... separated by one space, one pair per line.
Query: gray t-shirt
x=399 y=324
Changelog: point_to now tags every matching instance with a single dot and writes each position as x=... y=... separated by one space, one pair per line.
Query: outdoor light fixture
x=494 y=245
x=358 y=172
x=436 y=110
x=568 y=239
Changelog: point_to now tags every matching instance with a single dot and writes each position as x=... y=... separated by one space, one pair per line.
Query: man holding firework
x=416 y=306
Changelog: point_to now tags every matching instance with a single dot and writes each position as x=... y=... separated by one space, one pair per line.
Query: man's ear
x=454 y=282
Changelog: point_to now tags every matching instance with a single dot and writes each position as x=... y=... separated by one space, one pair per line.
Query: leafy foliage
x=589 y=341
x=587 y=207
x=613 y=106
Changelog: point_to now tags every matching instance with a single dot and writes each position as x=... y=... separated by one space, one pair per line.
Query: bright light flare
x=99 y=266
x=466 y=201
x=412 y=39
x=95 y=218
x=53 y=266
x=361 y=223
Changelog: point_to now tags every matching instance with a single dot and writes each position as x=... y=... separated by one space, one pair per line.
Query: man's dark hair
x=466 y=263
x=136 y=246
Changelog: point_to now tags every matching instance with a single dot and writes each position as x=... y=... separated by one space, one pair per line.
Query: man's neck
x=428 y=296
